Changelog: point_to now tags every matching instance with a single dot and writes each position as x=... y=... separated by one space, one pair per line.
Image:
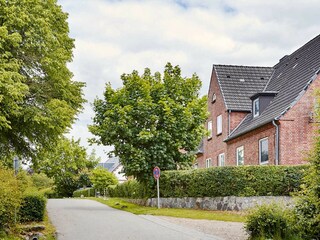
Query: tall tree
x=151 y=121
x=66 y=162
x=38 y=99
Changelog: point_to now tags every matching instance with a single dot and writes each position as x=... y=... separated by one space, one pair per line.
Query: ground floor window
x=221 y=159
x=263 y=151
x=208 y=162
x=240 y=156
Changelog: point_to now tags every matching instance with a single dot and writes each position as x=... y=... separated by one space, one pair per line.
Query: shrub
x=270 y=222
x=41 y=181
x=88 y=192
x=102 y=178
x=232 y=181
x=10 y=197
x=129 y=189
x=32 y=207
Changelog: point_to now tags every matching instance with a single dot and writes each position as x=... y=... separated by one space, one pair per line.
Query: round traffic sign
x=156 y=172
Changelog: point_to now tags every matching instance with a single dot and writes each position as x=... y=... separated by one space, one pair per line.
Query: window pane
x=210 y=129
x=240 y=155
x=219 y=124
x=221 y=159
x=264 y=155
x=256 y=107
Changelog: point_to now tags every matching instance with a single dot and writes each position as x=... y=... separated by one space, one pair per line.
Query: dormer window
x=256 y=108
x=214 y=97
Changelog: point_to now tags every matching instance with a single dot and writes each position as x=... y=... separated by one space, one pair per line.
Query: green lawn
x=173 y=212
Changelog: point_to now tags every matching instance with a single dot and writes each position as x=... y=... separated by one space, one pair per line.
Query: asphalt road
x=77 y=219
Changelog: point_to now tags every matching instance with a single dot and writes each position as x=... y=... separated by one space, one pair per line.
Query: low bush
x=32 y=207
x=88 y=192
x=10 y=197
x=129 y=189
x=232 y=181
x=270 y=222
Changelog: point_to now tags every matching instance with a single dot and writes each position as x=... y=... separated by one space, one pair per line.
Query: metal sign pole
x=158 y=191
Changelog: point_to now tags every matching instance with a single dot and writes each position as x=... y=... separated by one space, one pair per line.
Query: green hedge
x=32 y=207
x=88 y=192
x=129 y=189
x=232 y=181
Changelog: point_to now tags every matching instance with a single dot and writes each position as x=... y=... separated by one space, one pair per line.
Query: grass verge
x=121 y=204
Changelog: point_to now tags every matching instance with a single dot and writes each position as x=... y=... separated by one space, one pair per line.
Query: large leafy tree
x=38 y=100
x=66 y=163
x=102 y=178
x=152 y=120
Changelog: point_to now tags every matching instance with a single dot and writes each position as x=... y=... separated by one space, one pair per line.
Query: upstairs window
x=208 y=162
x=256 y=107
x=219 y=124
x=209 y=129
x=240 y=156
x=214 y=97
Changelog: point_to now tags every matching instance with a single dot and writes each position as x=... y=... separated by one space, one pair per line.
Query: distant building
x=262 y=115
x=113 y=165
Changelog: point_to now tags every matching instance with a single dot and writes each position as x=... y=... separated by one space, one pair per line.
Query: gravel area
x=225 y=230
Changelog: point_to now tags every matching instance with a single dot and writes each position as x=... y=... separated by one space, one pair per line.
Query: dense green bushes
x=232 y=181
x=32 y=207
x=129 y=189
x=88 y=192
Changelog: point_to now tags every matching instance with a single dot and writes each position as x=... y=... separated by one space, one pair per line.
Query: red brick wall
x=296 y=130
x=236 y=118
x=214 y=146
x=250 y=142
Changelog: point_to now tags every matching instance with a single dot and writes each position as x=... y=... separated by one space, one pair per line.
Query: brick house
x=262 y=115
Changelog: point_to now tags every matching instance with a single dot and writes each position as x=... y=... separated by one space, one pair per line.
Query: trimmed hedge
x=32 y=207
x=129 y=189
x=88 y=192
x=232 y=181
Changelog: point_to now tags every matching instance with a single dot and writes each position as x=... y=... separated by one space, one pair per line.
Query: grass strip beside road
x=122 y=204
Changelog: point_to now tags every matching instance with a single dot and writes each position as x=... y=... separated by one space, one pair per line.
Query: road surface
x=79 y=219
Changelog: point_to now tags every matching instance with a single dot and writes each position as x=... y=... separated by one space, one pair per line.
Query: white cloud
x=115 y=37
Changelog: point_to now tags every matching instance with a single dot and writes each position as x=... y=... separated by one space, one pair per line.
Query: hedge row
x=88 y=192
x=129 y=189
x=32 y=207
x=232 y=181
x=219 y=182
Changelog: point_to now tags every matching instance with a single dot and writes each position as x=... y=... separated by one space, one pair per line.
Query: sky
x=113 y=37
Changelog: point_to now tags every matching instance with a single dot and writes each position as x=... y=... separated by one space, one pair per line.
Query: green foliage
x=38 y=99
x=88 y=192
x=65 y=163
x=232 y=181
x=10 y=197
x=32 y=207
x=102 y=178
x=307 y=210
x=270 y=222
x=129 y=189
x=41 y=181
x=150 y=120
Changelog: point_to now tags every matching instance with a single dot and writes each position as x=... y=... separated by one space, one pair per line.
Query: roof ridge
x=246 y=66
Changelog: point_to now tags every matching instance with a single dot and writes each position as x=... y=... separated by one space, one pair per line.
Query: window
x=219 y=124
x=256 y=107
x=208 y=162
x=263 y=151
x=214 y=97
x=210 y=129
x=221 y=159
x=240 y=156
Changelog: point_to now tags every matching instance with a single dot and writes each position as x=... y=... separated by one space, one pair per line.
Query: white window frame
x=260 y=141
x=209 y=127
x=219 y=124
x=256 y=114
x=208 y=162
x=221 y=160
x=214 y=98
x=241 y=148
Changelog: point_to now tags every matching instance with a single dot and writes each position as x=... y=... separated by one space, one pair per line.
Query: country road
x=86 y=219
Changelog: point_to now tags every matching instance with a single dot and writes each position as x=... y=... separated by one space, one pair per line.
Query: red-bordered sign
x=156 y=172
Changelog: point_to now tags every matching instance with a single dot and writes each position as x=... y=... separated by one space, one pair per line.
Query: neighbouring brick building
x=262 y=115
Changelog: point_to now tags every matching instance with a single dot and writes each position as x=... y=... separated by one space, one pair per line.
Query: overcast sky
x=117 y=36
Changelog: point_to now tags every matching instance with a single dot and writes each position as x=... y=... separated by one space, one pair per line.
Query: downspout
x=229 y=112
x=276 y=143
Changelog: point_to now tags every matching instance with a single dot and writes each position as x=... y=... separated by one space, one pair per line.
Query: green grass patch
x=122 y=204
